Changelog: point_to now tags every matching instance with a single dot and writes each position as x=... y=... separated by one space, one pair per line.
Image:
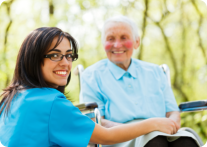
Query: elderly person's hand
x=175 y=116
x=165 y=125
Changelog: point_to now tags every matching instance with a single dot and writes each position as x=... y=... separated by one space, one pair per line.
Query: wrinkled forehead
x=117 y=28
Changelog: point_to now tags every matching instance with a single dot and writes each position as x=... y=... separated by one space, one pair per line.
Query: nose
x=117 y=44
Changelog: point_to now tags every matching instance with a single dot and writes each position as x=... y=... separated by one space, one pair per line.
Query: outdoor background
x=172 y=32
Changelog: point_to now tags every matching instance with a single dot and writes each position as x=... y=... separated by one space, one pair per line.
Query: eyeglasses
x=59 y=57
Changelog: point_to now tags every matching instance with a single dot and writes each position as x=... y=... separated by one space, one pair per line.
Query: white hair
x=122 y=19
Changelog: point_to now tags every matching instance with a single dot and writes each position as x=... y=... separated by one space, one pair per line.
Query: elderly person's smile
x=119 y=43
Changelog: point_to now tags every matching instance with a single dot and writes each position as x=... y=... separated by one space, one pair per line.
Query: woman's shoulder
x=43 y=90
x=146 y=66
x=48 y=94
x=41 y=98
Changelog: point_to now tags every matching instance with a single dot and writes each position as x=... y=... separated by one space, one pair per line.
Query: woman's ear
x=137 y=43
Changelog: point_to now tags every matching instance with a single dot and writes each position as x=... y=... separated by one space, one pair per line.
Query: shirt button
x=129 y=86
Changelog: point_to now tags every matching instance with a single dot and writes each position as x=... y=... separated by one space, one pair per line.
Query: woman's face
x=56 y=73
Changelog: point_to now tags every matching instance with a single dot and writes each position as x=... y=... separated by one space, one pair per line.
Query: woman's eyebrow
x=57 y=50
x=69 y=50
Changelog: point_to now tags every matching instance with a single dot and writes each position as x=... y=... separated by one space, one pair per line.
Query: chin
x=62 y=84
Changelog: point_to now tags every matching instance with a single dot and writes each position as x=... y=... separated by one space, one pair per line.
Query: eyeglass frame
x=73 y=56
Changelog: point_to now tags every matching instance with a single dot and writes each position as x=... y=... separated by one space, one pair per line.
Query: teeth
x=61 y=72
x=118 y=52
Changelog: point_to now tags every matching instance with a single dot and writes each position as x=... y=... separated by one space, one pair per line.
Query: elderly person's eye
x=110 y=39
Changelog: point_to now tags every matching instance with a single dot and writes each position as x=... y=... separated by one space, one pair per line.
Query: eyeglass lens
x=58 y=57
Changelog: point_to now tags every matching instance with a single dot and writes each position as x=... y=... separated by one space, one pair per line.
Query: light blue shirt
x=43 y=117
x=140 y=92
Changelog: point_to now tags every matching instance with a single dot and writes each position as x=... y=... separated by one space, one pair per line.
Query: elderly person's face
x=119 y=43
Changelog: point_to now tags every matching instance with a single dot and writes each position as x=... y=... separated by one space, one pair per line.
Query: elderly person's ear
x=137 y=43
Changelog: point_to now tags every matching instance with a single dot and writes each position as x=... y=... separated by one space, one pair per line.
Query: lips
x=118 y=52
x=61 y=72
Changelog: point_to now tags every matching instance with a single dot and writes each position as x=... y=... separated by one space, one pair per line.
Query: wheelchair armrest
x=87 y=106
x=193 y=106
x=194 y=133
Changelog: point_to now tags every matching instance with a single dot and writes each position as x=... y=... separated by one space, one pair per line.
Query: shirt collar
x=119 y=72
x=132 y=69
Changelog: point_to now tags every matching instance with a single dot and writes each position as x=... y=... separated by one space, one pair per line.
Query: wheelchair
x=192 y=106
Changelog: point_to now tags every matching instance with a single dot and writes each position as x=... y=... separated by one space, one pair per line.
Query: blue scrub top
x=43 y=117
x=141 y=92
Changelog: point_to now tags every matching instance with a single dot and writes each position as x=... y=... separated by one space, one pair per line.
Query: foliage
x=172 y=32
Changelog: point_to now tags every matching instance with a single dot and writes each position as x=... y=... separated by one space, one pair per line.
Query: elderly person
x=129 y=90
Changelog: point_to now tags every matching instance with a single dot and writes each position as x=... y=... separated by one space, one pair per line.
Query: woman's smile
x=62 y=73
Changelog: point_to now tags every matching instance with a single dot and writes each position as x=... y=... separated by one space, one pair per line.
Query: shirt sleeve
x=170 y=102
x=68 y=126
x=90 y=92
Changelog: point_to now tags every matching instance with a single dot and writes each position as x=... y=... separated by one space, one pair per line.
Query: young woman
x=34 y=110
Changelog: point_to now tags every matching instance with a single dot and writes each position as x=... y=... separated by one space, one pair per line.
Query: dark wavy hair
x=27 y=72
